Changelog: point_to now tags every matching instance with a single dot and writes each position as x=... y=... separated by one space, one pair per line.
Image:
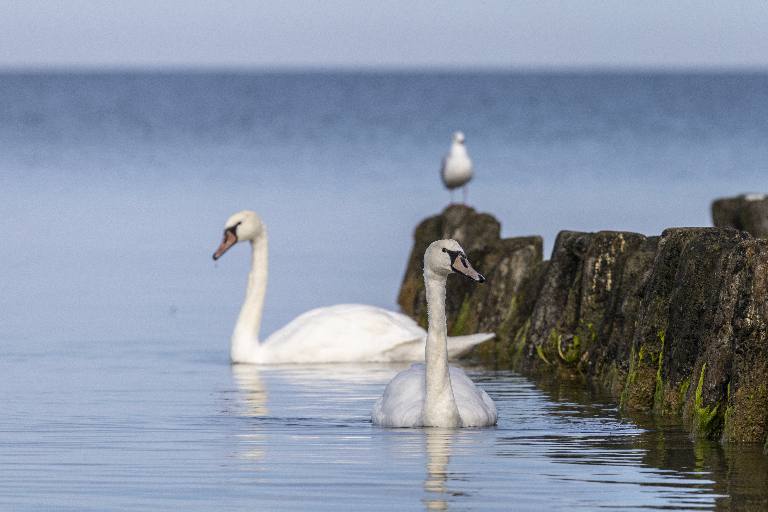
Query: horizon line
x=425 y=69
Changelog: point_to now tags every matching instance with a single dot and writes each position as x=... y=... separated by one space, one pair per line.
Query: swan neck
x=245 y=338
x=440 y=408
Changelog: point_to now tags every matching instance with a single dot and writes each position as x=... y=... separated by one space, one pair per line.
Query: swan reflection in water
x=251 y=402
x=284 y=406
x=438 y=447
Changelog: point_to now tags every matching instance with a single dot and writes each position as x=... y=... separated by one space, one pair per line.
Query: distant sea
x=114 y=187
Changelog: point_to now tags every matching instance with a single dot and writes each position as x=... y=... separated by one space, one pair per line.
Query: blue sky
x=503 y=34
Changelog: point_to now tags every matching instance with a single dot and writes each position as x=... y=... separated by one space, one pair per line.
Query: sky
x=397 y=34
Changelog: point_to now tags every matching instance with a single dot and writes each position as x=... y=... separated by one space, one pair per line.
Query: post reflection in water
x=738 y=471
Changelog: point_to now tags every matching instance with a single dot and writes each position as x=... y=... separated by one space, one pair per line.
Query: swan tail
x=459 y=346
x=412 y=350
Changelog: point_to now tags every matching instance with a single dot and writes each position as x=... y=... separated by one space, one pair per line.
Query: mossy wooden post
x=555 y=297
x=733 y=362
x=747 y=212
x=587 y=307
x=676 y=324
x=675 y=316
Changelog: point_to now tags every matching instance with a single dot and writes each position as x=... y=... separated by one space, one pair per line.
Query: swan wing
x=403 y=399
x=346 y=333
x=475 y=406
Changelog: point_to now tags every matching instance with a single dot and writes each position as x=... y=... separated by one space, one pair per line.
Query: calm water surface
x=153 y=426
x=114 y=321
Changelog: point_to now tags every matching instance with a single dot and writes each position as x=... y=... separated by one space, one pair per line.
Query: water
x=114 y=321
x=147 y=427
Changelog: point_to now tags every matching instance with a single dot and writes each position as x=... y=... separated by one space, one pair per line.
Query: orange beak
x=230 y=239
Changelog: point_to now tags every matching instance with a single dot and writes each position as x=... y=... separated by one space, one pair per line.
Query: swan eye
x=233 y=229
x=456 y=256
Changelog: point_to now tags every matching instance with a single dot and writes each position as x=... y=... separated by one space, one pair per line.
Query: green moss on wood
x=511 y=313
x=708 y=420
x=540 y=351
x=658 y=395
x=516 y=348
x=572 y=352
x=609 y=382
x=628 y=383
x=458 y=327
x=681 y=395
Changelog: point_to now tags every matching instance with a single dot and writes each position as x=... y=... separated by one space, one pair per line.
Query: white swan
x=456 y=170
x=435 y=394
x=342 y=333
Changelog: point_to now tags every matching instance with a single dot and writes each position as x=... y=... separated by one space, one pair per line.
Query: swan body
x=403 y=399
x=435 y=394
x=341 y=333
x=456 y=169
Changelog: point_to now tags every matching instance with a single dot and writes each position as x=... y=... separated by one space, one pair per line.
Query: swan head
x=245 y=225
x=445 y=257
x=458 y=138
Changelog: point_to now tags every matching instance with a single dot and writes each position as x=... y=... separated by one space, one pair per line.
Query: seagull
x=457 y=167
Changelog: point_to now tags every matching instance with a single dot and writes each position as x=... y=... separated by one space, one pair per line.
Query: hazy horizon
x=527 y=35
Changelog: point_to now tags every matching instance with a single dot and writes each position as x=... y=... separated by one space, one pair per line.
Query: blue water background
x=115 y=187
x=115 y=321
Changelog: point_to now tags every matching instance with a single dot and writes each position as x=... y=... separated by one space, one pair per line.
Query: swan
x=456 y=169
x=341 y=333
x=435 y=394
